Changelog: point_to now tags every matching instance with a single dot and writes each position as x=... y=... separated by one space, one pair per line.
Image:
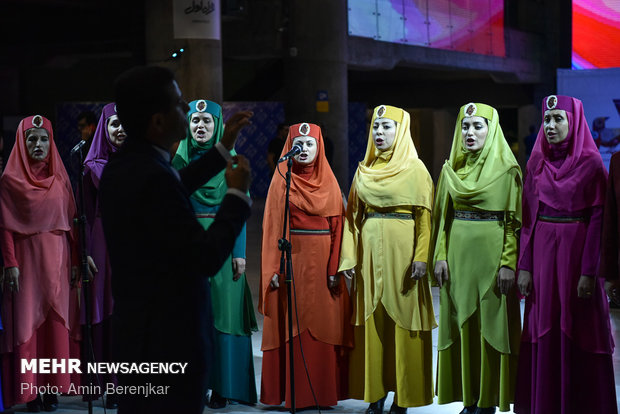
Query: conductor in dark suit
x=160 y=255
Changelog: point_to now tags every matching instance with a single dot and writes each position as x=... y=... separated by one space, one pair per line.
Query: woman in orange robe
x=321 y=307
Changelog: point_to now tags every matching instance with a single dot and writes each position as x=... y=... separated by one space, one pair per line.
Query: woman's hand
x=333 y=283
x=275 y=281
x=525 y=282
x=442 y=274
x=11 y=278
x=238 y=264
x=92 y=267
x=349 y=273
x=585 y=287
x=418 y=270
x=505 y=279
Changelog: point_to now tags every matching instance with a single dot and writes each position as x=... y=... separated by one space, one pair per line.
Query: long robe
x=320 y=318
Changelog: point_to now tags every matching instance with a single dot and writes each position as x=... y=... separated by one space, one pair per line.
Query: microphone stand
x=285 y=247
x=86 y=281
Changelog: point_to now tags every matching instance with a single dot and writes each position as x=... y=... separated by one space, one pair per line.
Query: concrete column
x=316 y=64
x=198 y=70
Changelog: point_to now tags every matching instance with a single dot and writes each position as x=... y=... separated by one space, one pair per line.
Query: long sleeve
x=422 y=234
x=351 y=231
x=591 y=252
x=239 y=248
x=200 y=171
x=335 y=226
x=511 y=249
x=609 y=249
x=7 y=243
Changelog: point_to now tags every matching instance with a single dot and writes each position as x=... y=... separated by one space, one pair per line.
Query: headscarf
x=213 y=191
x=403 y=181
x=35 y=196
x=578 y=183
x=101 y=147
x=317 y=195
x=481 y=179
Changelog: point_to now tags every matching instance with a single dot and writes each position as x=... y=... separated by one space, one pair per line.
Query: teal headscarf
x=212 y=192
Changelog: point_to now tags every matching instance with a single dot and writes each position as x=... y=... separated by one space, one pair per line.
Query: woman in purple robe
x=565 y=363
x=108 y=137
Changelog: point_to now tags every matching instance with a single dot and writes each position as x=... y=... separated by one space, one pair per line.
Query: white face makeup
x=116 y=131
x=308 y=150
x=37 y=143
x=202 y=126
x=474 y=130
x=555 y=124
x=383 y=133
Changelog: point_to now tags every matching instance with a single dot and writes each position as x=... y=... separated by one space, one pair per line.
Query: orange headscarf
x=318 y=195
x=35 y=196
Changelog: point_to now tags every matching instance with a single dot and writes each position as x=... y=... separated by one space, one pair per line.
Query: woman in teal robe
x=232 y=375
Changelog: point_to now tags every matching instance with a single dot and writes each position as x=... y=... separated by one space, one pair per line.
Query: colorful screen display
x=596 y=34
x=475 y=26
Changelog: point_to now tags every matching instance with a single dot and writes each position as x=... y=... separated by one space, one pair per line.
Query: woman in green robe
x=475 y=221
x=232 y=375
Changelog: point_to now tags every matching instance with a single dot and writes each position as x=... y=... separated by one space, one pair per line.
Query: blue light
x=174 y=54
x=181 y=50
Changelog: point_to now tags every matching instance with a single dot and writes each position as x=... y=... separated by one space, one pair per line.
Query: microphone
x=78 y=147
x=294 y=151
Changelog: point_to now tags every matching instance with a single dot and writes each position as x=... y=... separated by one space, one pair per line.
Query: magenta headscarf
x=575 y=184
x=101 y=147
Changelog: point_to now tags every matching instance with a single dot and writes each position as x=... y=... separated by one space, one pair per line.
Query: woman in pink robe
x=565 y=363
x=39 y=305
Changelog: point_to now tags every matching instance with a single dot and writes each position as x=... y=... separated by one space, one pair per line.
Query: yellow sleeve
x=422 y=234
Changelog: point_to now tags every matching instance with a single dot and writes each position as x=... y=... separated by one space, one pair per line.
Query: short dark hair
x=141 y=92
x=89 y=116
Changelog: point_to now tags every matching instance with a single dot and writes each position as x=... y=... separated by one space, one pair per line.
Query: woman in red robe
x=39 y=306
x=322 y=313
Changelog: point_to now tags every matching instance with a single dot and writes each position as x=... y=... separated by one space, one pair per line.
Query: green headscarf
x=479 y=180
x=212 y=192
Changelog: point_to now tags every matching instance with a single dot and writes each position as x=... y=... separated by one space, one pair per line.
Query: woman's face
x=115 y=131
x=308 y=150
x=201 y=125
x=37 y=143
x=474 y=131
x=555 y=124
x=383 y=133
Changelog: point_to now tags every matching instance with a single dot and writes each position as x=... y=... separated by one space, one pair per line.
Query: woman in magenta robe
x=565 y=363
x=39 y=307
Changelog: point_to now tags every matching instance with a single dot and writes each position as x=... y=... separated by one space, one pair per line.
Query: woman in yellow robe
x=385 y=249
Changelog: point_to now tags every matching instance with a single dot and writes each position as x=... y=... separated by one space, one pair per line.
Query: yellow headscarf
x=404 y=181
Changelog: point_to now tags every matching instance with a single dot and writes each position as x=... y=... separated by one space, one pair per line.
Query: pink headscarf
x=577 y=183
x=35 y=196
x=101 y=147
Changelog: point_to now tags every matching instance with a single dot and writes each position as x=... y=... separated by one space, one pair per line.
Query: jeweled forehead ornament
x=37 y=121
x=381 y=111
x=552 y=101
x=201 y=105
x=470 y=109
x=304 y=129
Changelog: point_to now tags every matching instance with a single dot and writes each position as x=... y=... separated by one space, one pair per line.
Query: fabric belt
x=552 y=219
x=205 y=215
x=310 y=232
x=479 y=215
x=399 y=216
